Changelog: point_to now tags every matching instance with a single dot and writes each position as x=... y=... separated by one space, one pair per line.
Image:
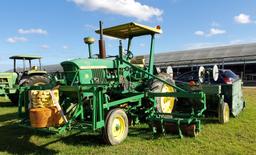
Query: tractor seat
x=34 y=68
x=138 y=61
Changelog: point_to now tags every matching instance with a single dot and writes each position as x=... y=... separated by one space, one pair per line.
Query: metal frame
x=101 y=105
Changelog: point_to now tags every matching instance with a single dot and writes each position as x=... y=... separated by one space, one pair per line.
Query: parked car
x=226 y=76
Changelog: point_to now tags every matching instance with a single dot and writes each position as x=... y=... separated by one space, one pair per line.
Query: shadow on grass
x=16 y=140
x=96 y=139
x=210 y=120
x=8 y=116
x=85 y=139
x=6 y=104
x=141 y=132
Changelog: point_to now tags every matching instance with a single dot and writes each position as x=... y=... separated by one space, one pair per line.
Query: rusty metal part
x=187 y=130
x=102 y=49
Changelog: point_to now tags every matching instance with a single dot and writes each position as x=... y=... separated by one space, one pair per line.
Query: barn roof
x=232 y=53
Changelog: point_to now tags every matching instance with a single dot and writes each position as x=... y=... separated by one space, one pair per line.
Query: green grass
x=236 y=137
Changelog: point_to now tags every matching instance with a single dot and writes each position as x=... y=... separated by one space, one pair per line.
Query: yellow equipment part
x=42 y=98
x=167 y=103
x=118 y=127
x=40 y=117
x=128 y=30
x=138 y=61
x=226 y=114
x=45 y=117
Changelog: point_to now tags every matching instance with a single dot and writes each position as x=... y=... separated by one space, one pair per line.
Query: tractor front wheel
x=116 y=127
x=223 y=113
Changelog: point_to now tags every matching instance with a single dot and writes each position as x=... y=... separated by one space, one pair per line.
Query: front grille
x=98 y=76
x=3 y=80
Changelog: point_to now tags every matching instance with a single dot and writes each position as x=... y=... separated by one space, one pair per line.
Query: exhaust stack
x=102 y=49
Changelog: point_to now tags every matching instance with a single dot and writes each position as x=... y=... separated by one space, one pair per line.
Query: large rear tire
x=164 y=104
x=14 y=98
x=35 y=80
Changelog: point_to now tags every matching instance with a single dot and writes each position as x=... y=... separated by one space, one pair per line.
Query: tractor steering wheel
x=129 y=54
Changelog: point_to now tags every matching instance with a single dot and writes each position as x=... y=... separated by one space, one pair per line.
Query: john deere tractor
x=109 y=94
x=21 y=76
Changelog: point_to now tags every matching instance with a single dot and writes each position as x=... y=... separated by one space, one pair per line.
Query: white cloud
x=32 y=31
x=243 y=19
x=45 y=46
x=142 y=45
x=14 y=40
x=215 y=24
x=199 y=33
x=212 y=32
x=128 y=8
x=65 y=47
x=215 y=31
x=89 y=26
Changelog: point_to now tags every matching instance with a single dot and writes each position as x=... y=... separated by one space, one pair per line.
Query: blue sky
x=55 y=29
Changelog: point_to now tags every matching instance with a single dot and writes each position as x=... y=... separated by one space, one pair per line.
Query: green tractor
x=109 y=94
x=27 y=75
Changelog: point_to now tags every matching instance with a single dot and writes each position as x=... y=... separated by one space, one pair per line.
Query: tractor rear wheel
x=14 y=98
x=164 y=104
x=35 y=80
x=223 y=113
x=116 y=127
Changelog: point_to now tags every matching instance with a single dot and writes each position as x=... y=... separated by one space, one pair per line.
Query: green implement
x=108 y=94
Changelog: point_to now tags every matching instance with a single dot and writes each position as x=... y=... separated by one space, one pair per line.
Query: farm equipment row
x=27 y=75
x=109 y=94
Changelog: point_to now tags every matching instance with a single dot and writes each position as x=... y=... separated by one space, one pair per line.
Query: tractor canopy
x=129 y=30
x=25 y=57
x=31 y=69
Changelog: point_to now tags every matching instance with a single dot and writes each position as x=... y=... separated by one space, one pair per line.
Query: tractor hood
x=85 y=71
x=84 y=64
x=7 y=81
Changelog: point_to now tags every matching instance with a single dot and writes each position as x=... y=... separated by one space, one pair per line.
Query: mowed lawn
x=236 y=137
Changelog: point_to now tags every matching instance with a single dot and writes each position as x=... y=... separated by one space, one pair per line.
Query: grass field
x=236 y=137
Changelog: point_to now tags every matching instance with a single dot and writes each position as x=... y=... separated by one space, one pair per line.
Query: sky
x=55 y=29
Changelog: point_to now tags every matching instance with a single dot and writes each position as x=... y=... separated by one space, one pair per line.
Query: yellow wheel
x=224 y=113
x=116 y=127
x=34 y=80
x=164 y=104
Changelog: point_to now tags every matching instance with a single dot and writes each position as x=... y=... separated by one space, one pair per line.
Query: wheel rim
x=39 y=84
x=226 y=114
x=167 y=103
x=118 y=127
